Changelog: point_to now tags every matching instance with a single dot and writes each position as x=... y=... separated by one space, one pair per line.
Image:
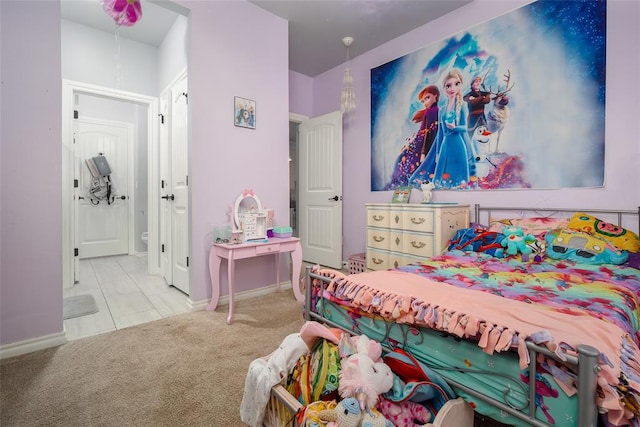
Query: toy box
x=282 y=231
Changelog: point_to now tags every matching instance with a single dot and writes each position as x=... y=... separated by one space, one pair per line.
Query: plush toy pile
x=582 y=238
x=346 y=381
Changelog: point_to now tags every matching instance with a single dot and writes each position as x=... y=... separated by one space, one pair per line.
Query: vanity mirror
x=249 y=217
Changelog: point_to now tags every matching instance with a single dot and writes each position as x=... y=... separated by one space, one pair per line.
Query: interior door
x=166 y=267
x=180 y=186
x=103 y=228
x=320 y=193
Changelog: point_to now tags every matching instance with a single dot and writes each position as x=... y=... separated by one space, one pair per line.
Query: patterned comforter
x=504 y=302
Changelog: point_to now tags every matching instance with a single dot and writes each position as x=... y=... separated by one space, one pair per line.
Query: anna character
x=414 y=152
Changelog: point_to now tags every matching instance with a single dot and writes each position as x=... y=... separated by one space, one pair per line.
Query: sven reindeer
x=499 y=113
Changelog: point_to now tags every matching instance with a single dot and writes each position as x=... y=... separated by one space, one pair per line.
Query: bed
x=488 y=321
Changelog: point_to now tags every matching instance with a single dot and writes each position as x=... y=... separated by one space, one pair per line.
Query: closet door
x=180 y=241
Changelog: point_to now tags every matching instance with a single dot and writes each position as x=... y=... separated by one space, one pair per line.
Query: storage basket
x=357 y=263
x=281 y=409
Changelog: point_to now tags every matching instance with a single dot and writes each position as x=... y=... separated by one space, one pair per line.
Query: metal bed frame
x=586 y=361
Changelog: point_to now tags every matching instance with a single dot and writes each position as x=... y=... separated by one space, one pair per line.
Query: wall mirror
x=249 y=217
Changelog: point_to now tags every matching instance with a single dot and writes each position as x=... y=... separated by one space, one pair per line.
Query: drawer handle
x=418 y=245
x=396 y=264
x=377 y=260
x=378 y=239
x=397 y=240
x=397 y=218
x=378 y=217
x=417 y=221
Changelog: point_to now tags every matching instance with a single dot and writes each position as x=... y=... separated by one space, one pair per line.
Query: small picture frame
x=401 y=195
x=244 y=112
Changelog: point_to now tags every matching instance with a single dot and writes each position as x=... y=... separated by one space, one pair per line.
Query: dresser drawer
x=454 y=220
x=415 y=220
x=378 y=218
x=378 y=238
x=418 y=244
x=377 y=260
x=396 y=260
x=396 y=240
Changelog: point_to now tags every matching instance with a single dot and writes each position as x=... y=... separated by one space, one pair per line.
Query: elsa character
x=451 y=161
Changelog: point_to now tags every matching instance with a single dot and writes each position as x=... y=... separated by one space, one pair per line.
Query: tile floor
x=125 y=294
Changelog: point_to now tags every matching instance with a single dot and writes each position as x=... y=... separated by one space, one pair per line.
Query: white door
x=103 y=228
x=179 y=184
x=320 y=175
x=166 y=266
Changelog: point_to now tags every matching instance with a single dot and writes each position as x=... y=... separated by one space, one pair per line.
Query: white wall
x=173 y=52
x=96 y=57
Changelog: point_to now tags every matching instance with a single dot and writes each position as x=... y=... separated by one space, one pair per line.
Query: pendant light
x=348 y=94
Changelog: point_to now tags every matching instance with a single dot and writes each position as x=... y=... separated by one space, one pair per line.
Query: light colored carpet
x=186 y=370
x=79 y=305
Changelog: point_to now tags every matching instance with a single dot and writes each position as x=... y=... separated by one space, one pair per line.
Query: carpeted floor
x=186 y=370
x=183 y=370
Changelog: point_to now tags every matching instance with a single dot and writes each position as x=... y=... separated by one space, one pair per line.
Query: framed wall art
x=244 y=113
x=401 y=194
x=513 y=103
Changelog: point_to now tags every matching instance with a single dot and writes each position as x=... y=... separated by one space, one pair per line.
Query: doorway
x=76 y=96
x=317 y=188
x=95 y=63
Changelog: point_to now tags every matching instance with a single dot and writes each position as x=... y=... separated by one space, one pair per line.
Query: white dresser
x=400 y=234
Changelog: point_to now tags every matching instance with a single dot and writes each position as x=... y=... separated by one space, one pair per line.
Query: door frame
x=70 y=88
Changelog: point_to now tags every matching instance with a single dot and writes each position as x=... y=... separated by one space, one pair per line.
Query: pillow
x=620 y=237
x=634 y=260
x=478 y=239
x=537 y=226
x=582 y=248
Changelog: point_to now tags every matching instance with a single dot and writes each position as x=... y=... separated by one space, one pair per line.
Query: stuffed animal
x=363 y=374
x=407 y=413
x=373 y=418
x=426 y=191
x=346 y=414
x=515 y=240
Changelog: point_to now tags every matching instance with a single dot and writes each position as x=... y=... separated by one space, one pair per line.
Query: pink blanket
x=500 y=323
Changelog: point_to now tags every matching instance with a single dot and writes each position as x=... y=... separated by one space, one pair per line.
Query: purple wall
x=224 y=159
x=300 y=94
x=622 y=124
x=31 y=141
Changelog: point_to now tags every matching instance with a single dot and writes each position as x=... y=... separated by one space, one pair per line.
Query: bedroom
x=28 y=314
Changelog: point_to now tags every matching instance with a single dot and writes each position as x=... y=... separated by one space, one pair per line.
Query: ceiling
x=316 y=27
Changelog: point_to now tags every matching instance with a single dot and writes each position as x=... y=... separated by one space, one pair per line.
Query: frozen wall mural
x=515 y=102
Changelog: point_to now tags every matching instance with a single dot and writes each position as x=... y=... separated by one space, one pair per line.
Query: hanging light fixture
x=348 y=94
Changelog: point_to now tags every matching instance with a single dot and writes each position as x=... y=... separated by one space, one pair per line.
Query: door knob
x=167 y=197
x=334 y=198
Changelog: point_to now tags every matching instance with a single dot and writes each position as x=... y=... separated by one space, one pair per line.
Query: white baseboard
x=239 y=296
x=33 y=344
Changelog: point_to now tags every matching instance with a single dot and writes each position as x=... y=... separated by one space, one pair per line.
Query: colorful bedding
x=501 y=303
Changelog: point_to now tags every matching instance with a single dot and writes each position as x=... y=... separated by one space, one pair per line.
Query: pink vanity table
x=230 y=252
